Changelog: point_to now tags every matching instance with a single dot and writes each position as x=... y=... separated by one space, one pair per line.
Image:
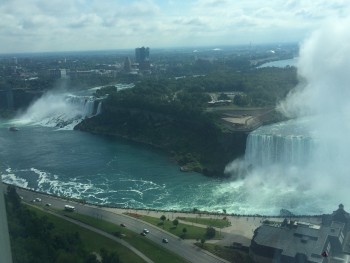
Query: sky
x=74 y=25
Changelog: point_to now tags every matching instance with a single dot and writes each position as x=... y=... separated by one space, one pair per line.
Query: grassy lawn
x=230 y=254
x=214 y=222
x=149 y=248
x=193 y=232
x=92 y=242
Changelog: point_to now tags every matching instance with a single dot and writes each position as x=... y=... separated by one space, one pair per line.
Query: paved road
x=100 y=232
x=184 y=249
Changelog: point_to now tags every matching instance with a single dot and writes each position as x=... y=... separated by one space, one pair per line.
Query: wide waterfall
x=63 y=111
x=288 y=143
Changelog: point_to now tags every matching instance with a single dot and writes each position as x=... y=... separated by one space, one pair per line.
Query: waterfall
x=287 y=143
x=99 y=108
x=83 y=104
x=61 y=110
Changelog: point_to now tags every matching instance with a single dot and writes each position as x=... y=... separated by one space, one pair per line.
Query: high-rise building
x=142 y=58
x=127 y=64
x=141 y=54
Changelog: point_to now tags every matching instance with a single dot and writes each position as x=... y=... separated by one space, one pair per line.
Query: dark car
x=164 y=240
x=123 y=225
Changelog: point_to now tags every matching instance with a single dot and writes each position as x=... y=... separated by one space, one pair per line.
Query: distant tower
x=141 y=54
x=142 y=58
x=14 y=61
x=127 y=64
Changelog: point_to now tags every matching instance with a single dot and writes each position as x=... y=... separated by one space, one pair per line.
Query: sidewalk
x=241 y=229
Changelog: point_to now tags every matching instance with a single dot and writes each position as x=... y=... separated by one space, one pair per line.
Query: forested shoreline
x=34 y=238
x=173 y=115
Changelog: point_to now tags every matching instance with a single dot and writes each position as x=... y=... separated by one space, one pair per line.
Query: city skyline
x=77 y=25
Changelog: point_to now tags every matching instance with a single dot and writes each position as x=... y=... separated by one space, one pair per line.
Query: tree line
x=172 y=114
x=34 y=239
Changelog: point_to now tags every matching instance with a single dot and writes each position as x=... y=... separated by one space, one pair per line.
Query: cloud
x=142 y=8
x=213 y=3
x=212 y=21
x=85 y=20
x=38 y=21
x=190 y=21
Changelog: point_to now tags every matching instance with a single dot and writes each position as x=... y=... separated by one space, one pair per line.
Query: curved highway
x=184 y=249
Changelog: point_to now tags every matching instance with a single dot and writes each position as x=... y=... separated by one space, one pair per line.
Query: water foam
x=63 y=111
x=132 y=194
x=11 y=178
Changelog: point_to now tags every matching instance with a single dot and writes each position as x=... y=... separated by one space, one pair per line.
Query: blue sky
x=64 y=25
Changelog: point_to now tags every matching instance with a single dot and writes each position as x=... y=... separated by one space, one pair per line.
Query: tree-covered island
x=191 y=117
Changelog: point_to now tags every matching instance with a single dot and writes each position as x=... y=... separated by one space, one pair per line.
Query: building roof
x=297 y=238
x=340 y=215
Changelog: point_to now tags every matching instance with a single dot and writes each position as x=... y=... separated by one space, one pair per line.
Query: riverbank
x=196 y=145
x=241 y=227
x=240 y=230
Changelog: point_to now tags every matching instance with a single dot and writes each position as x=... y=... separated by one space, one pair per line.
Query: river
x=106 y=170
x=47 y=155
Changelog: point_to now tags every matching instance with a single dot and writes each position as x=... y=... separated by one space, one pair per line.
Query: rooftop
x=298 y=238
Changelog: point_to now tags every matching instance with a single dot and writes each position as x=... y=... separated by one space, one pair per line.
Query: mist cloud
x=323 y=66
x=321 y=105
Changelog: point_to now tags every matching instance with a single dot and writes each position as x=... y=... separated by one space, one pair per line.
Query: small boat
x=13 y=128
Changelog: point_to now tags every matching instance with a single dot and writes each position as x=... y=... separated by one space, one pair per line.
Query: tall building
x=127 y=64
x=142 y=58
x=141 y=54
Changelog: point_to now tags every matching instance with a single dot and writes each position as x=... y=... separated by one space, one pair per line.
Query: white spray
x=60 y=110
x=324 y=97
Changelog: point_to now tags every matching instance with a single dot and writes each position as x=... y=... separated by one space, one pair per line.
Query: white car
x=37 y=199
x=146 y=231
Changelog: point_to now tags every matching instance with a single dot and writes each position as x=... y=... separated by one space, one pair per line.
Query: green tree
x=223 y=96
x=109 y=257
x=175 y=222
x=210 y=232
x=91 y=259
x=163 y=217
x=66 y=257
x=241 y=100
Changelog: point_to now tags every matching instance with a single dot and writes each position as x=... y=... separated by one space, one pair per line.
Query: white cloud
x=125 y=24
x=85 y=20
